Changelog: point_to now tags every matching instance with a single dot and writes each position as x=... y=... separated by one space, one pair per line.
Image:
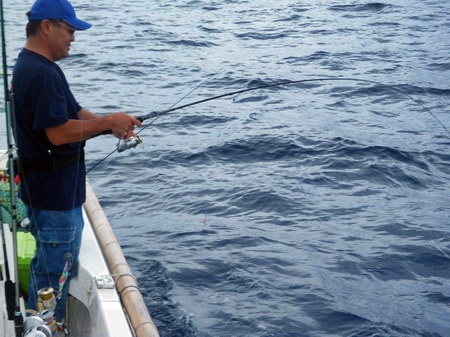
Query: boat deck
x=92 y=268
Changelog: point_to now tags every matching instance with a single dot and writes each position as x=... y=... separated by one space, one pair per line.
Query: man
x=50 y=128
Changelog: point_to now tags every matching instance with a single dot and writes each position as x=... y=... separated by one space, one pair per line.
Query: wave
x=368 y=7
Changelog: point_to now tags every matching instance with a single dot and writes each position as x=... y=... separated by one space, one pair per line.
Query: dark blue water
x=317 y=209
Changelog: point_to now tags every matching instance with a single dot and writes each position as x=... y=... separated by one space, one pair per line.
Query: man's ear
x=46 y=26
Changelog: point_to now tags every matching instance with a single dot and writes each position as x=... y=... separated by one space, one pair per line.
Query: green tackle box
x=26 y=248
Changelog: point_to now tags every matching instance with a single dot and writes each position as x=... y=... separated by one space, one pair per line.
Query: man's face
x=62 y=35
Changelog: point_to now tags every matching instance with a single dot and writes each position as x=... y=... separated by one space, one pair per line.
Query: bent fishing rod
x=132 y=142
x=284 y=83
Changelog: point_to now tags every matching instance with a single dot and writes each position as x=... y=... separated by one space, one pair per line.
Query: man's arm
x=85 y=114
x=120 y=124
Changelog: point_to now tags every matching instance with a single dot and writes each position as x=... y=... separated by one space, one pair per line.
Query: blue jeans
x=58 y=239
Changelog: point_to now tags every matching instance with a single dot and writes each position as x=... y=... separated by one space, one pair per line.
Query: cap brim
x=78 y=24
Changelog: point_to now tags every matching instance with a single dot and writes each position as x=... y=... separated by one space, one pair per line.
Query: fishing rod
x=11 y=291
x=284 y=83
x=133 y=142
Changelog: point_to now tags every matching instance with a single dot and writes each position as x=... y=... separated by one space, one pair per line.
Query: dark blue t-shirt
x=42 y=99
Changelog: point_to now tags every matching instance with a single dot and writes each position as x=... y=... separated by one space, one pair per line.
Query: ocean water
x=312 y=209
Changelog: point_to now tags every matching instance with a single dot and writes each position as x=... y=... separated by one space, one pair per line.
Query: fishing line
x=182 y=98
x=157 y=114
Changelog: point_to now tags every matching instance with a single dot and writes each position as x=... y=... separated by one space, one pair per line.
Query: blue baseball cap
x=57 y=9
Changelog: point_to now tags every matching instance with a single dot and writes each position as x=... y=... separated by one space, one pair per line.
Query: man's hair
x=32 y=26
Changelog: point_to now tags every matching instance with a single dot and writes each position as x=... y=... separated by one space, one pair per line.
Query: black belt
x=51 y=163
